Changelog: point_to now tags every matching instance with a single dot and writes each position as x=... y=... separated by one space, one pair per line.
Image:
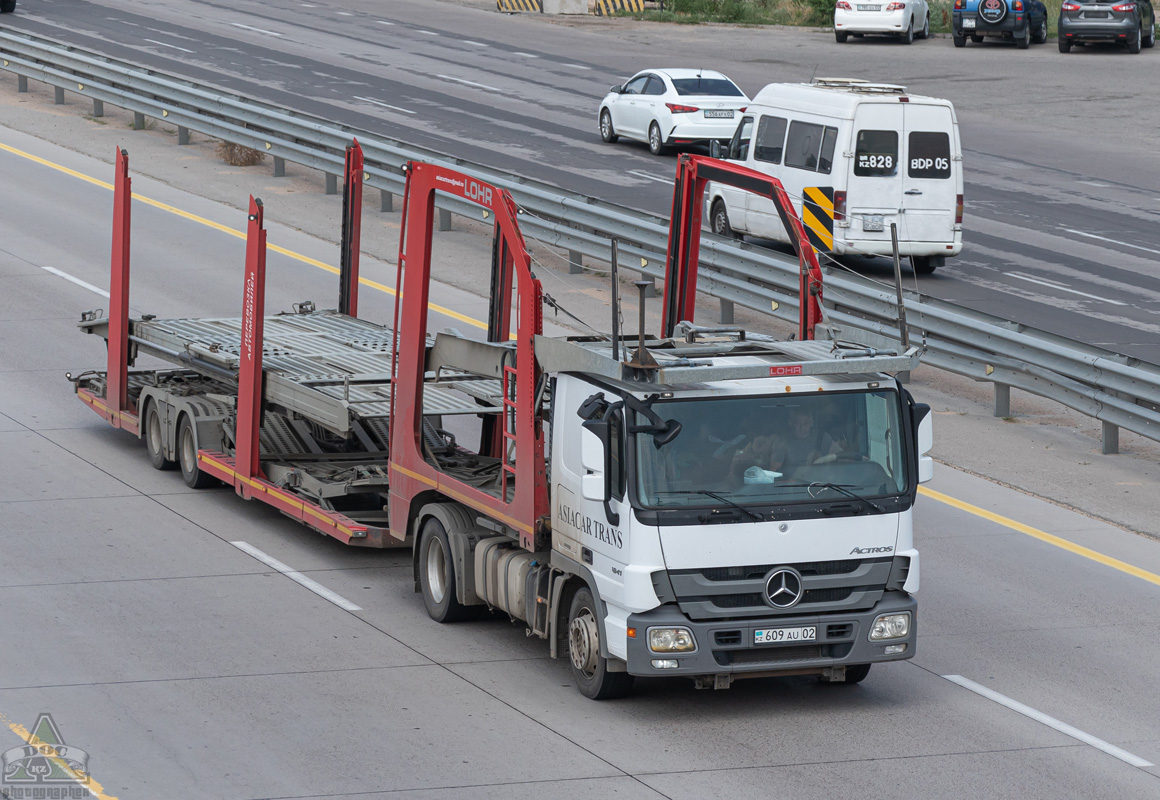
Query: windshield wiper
x=752 y=514
x=840 y=488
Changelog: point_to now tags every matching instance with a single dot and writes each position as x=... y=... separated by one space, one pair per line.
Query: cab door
x=874 y=183
x=625 y=113
x=933 y=176
x=736 y=199
x=766 y=157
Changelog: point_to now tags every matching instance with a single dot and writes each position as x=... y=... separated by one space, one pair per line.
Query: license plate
x=872 y=222
x=718 y=113
x=968 y=22
x=869 y=8
x=776 y=635
x=1096 y=15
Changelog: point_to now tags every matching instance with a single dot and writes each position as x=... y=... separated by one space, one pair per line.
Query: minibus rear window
x=876 y=154
x=770 y=139
x=930 y=155
x=810 y=146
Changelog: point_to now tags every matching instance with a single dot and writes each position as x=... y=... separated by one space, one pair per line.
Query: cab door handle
x=912 y=191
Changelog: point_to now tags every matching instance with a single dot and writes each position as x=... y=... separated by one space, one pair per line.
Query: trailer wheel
x=589 y=668
x=194 y=477
x=437 y=575
x=155 y=439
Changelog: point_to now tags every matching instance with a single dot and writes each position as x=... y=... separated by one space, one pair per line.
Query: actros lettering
x=862 y=551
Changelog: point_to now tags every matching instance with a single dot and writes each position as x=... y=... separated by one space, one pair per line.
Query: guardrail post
x=98 y=108
x=138 y=120
x=22 y=83
x=575 y=262
x=386 y=201
x=331 y=184
x=182 y=134
x=726 y=312
x=279 y=167
x=1110 y=438
x=444 y=219
x=58 y=98
x=1002 y=400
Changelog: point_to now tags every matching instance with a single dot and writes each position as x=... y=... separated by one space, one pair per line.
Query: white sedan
x=907 y=19
x=665 y=107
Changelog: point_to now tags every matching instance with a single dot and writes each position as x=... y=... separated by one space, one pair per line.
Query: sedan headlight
x=671 y=640
x=890 y=626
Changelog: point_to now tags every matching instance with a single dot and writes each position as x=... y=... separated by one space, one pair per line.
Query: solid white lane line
x=383 y=22
x=526 y=55
x=1050 y=722
x=469 y=83
x=576 y=66
x=255 y=30
x=648 y=175
x=345 y=14
x=477 y=44
x=296 y=576
x=1113 y=241
x=384 y=105
x=77 y=281
x=167 y=44
x=429 y=33
x=1062 y=288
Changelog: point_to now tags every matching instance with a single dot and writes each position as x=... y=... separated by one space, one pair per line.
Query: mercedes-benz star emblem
x=783 y=588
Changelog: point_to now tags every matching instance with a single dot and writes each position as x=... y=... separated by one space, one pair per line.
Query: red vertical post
x=352 y=193
x=247 y=453
x=117 y=388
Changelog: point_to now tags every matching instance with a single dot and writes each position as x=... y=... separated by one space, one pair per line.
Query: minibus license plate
x=718 y=113
x=968 y=22
x=872 y=222
x=775 y=635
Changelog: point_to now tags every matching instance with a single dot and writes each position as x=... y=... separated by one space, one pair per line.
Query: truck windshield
x=774 y=450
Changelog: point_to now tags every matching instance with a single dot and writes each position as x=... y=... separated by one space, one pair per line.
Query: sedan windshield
x=832 y=446
x=716 y=87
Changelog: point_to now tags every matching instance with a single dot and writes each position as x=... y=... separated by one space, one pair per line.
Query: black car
x=1024 y=21
x=1131 y=23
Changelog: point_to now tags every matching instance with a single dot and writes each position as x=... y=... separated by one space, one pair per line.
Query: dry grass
x=237 y=155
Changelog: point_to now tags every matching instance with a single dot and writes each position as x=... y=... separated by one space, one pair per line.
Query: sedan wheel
x=840 y=36
x=1134 y=43
x=1150 y=37
x=908 y=37
x=656 y=145
x=925 y=34
x=1064 y=45
x=606 y=131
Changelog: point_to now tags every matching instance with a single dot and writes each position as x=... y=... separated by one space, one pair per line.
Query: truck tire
x=193 y=475
x=155 y=439
x=437 y=575
x=925 y=265
x=7 y=6
x=589 y=668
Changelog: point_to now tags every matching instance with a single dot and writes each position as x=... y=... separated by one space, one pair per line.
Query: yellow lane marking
x=1043 y=536
x=217 y=226
x=46 y=749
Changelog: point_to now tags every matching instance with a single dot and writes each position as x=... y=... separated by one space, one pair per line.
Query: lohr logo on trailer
x=785 y=369
x=471 y=189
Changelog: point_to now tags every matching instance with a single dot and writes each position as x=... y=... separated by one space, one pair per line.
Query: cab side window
x=810 y=146
x=770 y=139
x=739 y=147
x=655 y=86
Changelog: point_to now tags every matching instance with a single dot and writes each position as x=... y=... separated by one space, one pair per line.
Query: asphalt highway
x=1062 y=182
x=159 y=629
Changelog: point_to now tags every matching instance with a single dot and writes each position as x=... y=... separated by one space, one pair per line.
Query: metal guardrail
x=1119 y=391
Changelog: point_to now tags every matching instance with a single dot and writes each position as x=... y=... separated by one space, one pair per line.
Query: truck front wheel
x=437 y=575
x=589 y=668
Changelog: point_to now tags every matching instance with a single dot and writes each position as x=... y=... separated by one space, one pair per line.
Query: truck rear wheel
x=589 y=668
x=7 y=6
x=437 y=575
x=194 y=477
x=155 y=439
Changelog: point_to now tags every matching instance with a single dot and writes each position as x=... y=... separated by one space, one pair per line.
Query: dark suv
x=1025 y=21
x=1128 y=22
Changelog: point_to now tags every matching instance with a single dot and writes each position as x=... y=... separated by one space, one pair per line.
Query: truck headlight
x=890 y=626
x=671 y=640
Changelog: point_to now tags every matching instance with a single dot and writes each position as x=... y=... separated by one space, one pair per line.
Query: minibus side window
x=930 y=154
x=810 y=146
x=770 y=139
x=876 y=154
x=739 y=147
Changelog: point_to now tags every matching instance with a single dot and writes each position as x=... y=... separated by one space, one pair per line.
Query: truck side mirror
x=924 y=440
x=596 y=458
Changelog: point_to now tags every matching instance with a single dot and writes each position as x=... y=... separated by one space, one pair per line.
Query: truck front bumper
x=728 y=647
